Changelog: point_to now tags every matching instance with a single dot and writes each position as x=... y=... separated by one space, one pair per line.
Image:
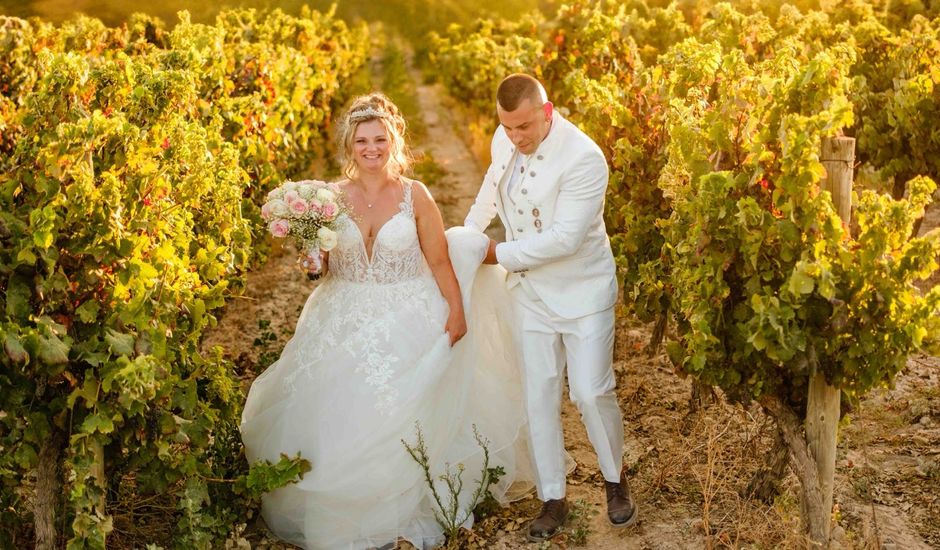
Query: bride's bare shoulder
x=343 y=185
x=416 y=185
x=421 y=197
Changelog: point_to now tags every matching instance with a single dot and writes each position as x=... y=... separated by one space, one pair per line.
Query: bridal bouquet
x=307 y=212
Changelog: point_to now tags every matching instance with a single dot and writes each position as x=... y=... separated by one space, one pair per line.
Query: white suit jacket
x=555 y=234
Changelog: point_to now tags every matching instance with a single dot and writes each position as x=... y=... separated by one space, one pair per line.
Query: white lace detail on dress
x=396 y=252
x=397 y=277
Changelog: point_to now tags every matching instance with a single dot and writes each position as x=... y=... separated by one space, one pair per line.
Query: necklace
x=370 y=204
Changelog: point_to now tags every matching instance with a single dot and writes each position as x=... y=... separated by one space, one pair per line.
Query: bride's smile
x=371 y=146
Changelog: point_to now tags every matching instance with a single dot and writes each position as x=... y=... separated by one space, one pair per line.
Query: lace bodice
x=396 y=252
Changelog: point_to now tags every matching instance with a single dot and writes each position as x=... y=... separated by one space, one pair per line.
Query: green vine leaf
x=119 y=343
x=15 y=350
x=52 y=350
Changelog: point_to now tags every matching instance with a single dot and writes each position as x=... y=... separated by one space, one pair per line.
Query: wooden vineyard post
x=838 y=157
x=822 y=409
x=97 y=471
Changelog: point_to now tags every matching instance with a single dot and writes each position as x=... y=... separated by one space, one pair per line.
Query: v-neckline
x=362 y=240
x=402 y=205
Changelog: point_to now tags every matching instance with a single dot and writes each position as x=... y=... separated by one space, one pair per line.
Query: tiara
x=368 y=112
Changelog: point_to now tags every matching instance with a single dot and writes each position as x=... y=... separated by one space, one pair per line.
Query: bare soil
x=688 y=468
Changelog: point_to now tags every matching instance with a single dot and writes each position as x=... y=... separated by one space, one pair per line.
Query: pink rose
x=291 y=196
x=298 y=207
x=315 y=206
x=328 y=210
x=279 y=228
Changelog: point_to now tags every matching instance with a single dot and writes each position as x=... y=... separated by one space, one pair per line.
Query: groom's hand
x=490 y=257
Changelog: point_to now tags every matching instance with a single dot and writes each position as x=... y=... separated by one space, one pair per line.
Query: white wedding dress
x=369 y=362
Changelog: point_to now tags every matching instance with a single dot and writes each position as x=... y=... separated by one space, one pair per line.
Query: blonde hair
x=374 y=106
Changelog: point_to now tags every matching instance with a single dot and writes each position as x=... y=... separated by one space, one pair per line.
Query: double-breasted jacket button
x=539 y=230
x=535 y=212
x=540 y=157
x=532 y=174
x=522 y=275
x=520 y=211
x=538 y=223
x=525 y=191
x=519 y=230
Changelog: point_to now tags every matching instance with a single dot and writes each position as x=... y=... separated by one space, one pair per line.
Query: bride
x=381 y=348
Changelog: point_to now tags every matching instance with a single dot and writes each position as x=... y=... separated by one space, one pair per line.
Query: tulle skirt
x=367 y=367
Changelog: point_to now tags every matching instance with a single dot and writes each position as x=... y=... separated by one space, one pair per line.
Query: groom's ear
x=547 y=107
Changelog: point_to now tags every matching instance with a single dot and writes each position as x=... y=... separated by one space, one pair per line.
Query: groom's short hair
x=517 y=87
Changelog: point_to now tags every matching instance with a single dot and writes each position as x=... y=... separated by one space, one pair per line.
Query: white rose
x=327 y=238
x=325 y=195
x=290 y=186
x=276 y=194
x=279 y=208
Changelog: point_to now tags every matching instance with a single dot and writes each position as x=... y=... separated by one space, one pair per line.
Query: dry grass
x=723 y=450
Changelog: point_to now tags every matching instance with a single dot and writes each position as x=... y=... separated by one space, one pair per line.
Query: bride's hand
x=456 y=326
x=312 y=264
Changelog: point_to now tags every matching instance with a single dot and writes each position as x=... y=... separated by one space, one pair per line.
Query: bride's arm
x=434 y=246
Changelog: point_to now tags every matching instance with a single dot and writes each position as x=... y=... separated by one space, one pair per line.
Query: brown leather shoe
x=621 y=509
x=551 y=518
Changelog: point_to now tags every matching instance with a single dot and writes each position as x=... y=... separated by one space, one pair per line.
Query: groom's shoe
x=621 y=508
x=553 y=516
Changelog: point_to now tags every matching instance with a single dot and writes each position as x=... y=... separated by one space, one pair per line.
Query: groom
x=547 y=183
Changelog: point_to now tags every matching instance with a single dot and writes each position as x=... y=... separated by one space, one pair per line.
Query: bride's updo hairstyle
x=374 y=106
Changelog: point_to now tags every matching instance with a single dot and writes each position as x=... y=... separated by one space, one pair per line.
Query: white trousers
x=548 y=343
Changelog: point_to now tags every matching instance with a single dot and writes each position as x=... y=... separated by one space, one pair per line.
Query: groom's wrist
x=490 y=257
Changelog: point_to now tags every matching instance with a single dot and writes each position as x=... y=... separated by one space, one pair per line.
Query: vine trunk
x=48 y=491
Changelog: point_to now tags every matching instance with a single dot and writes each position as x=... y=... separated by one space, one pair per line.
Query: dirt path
x=455 y=192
